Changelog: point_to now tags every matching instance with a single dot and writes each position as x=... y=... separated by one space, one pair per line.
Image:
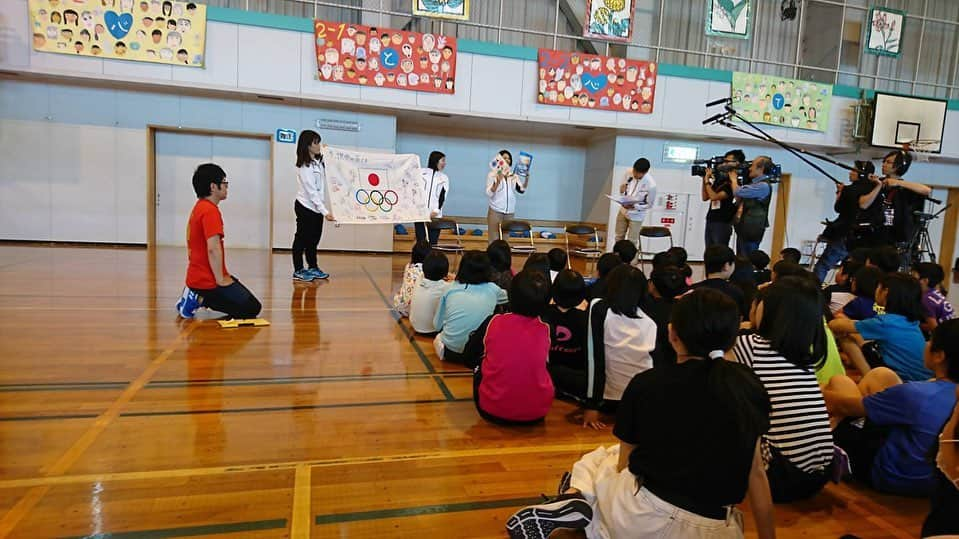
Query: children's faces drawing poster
x=574 y=79
x=160 y=31
x=370 y=56
x=779 y=101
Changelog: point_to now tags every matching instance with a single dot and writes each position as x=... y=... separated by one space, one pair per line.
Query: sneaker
x=564 y=483
x=303 y=275
x=188 y=303
x=569 y=511
x=317 y=273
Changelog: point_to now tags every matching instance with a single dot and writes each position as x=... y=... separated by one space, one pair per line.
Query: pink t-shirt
x=516 y=385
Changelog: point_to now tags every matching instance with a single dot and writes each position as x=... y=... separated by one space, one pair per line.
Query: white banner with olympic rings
x=374 y=187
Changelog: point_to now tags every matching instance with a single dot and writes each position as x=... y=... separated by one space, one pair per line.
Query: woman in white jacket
x=310 y=206
x=437 y=188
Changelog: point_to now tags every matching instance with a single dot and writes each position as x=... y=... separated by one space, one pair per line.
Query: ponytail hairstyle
x=707 y=322
x=307 y=138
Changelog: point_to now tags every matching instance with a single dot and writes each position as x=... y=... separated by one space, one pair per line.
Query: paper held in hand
x=624 y=200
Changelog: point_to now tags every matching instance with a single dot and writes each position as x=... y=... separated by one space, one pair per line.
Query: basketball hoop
x=922 y=148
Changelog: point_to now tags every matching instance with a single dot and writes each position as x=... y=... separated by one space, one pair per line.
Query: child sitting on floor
x=890 y=450
x=501 y=258
x=862 y=306
x=688 y=446
x=896 y=332
x=567 y=323
x=464 y=306
x=511 y=385
x=428 y=292
x=558 y=260
x=620 y=341
x=937 y=308
x=411 y=277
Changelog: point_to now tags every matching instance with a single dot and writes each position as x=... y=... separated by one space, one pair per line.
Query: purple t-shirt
x=937 y=306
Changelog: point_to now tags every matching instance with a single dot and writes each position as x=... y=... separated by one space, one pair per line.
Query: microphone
x=714 y=118
x=718 y=101
x=933 y=200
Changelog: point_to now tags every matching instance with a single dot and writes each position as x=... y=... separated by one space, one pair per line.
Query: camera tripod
x=921 y=248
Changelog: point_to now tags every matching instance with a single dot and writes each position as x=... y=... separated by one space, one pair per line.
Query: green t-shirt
x=833 y=364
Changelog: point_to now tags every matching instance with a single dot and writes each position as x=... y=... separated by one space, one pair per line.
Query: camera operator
x=900 y=200
x=853 y=202
x=754 y=199
x=718 y=191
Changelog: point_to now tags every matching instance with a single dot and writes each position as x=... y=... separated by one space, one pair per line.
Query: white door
x=246 y=161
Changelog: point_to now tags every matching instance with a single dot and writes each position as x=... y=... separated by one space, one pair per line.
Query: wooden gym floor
x=118 y=420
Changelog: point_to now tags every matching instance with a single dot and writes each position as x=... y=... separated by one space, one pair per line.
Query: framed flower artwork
x=884 y=36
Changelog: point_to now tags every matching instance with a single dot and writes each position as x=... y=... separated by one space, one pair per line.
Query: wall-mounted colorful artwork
x=769 y=99
x=164 y=32
x=572 y=79
x=385 y=58
x=729 y=18
x=884 y=36
x=611 y=20
x=443 y=9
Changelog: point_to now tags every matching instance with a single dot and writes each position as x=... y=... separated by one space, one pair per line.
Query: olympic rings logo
x=376 y=200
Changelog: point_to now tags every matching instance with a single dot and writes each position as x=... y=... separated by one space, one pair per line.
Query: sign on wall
x=779 y=101
x=573 y=79
x=375 y=187
x=609 y=19
x=368 y=56
x=164 y=32
x=443 y=9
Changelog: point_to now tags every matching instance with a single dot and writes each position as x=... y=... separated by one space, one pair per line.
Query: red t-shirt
x=205 y=222
x=516 y=384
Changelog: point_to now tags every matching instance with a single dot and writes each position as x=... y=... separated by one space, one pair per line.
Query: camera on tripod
x=718 y=164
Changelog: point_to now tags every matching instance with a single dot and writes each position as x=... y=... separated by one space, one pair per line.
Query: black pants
x=477 y=379
x=944 y=507
x=569 y=383
x=718 y=233
x=862 y=445
x=423 y=230
x=309 y=229
x=235 y=300
x=788 y=483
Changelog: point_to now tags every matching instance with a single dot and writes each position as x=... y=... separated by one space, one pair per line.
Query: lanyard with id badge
x=889 y=209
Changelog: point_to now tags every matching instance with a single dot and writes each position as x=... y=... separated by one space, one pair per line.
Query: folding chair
x=448 y=247
x=518 y=226
x=591 y=251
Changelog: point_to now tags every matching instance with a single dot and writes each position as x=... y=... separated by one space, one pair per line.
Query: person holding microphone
x=641 y=187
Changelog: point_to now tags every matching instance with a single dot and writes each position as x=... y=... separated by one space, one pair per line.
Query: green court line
x=425 y=510
x=447 y=399
x=446 y=391
x=218 y=382
x=396 y=316
x=209 y=529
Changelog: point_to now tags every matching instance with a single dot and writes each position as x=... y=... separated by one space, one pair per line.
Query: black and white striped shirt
x=799 y=423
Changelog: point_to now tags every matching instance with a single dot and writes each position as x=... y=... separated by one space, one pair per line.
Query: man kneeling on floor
x=208 y=283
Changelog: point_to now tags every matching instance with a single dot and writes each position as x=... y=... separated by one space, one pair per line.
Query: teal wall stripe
x=211 y=529
x=485 y=48
x=425 y=510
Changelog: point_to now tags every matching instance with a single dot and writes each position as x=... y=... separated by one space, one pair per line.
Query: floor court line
x=208 y=529
x=49 y=481
x=300 y=519
x=73 y=454
x=335 y=518
x=447 y=398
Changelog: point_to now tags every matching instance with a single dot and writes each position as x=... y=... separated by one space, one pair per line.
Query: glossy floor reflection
x=118 y=418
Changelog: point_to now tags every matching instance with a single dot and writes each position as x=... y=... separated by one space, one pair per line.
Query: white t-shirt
x=645 y=191
x=622 y=351
x=426 y=296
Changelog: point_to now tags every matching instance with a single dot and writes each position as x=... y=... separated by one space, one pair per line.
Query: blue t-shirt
x=915 y=413
x=462 y=309
x=860 y=308
x=901 y=343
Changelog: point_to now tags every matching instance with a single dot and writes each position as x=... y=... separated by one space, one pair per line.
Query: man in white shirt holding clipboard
x=637 y=194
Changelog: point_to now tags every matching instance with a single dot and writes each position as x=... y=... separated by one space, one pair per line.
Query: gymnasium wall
x=73 y=154
x=73 y=160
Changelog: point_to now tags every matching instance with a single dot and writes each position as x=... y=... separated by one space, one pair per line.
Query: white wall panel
x=496 y=85
x=130 y=159
x=15 y=37
x=530 y=107
x=83 y=185
x=268 y=59
x=130 y=70
x=24 y=180
x=453 y=102
x=222 y=60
